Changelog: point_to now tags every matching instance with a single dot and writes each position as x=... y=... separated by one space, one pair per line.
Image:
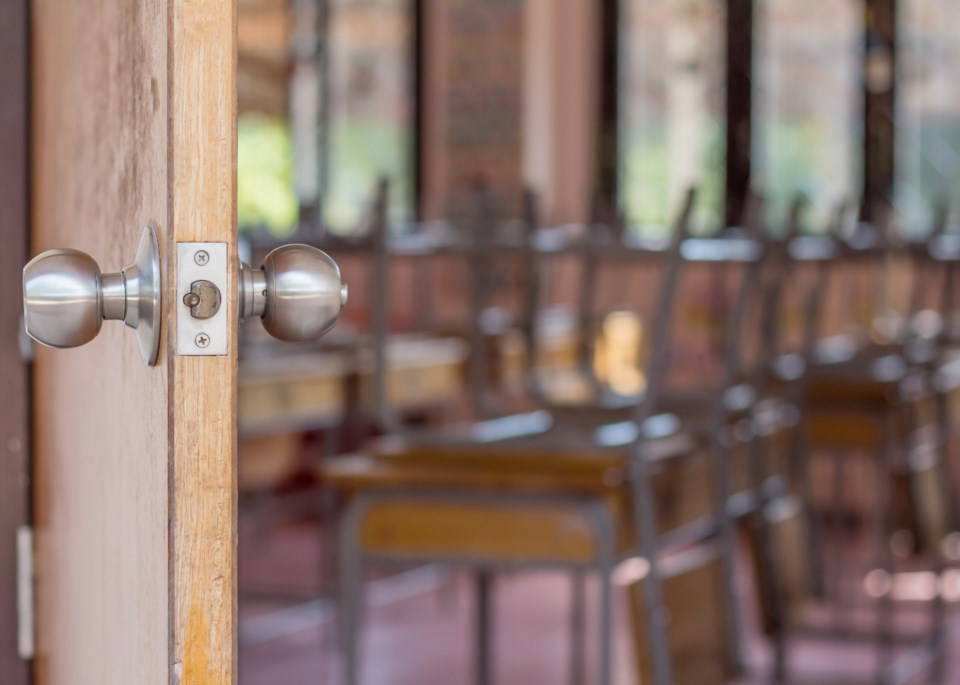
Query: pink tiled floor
x=418 y=630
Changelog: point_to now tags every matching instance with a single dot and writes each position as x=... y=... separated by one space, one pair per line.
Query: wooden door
x=134 y=123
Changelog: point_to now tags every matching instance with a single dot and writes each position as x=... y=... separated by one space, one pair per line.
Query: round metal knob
x=61 y=298
x=297 y=292
x=66 y=297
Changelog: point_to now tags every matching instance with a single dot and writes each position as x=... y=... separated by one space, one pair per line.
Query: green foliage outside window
x=361 y=152
x=802 y=159
x=648 y=200
x=266 y=197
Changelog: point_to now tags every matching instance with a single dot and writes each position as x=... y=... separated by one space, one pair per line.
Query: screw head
x=201 y=257
x=202 y=340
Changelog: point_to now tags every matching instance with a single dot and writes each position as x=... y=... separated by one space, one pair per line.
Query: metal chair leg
x=328 y=547
x=801 y=457
x=645 y=524
x=768 y=566
x=938 y=616
x=839 y=598
x=606 y=621
x=720 y=457
x=605 y=535
x=885 y=520
x=351 y=584
x=351 y=556
x=947 y=476
x=939 y=608
x=578 y=626
x=483 y=581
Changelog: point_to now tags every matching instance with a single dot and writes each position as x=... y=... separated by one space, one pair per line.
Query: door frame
x=14 y=374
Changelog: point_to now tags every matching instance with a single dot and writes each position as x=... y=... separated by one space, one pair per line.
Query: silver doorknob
x=297 y=292
x=66 y=298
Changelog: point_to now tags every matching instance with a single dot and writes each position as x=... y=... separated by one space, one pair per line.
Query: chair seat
x=836 y=429
x=853 y=402
x=559 y=450
x=866 y=367
x=436 y=516
x=842 y=370
x=430 y=471
x=681 y=474
x=693 y=412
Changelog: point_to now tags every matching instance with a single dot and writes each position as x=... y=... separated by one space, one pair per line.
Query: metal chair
x=868 y=397
x=530 y=453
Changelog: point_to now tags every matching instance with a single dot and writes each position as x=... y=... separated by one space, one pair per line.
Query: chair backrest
x=707 y=332
x=581 y=257
x=586 y=317
x=665 y=312
x=887 y=282
x=931 y=299
x=598 y=254
x=774 y=282
x=532 y=293
x=927 y=271
x=481 y=267
x=820 y=281
x=656 y=273
x=380 y=306
x=946 y=249
x=743 y=343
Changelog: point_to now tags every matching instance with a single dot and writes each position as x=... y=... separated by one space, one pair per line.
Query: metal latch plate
x=201 y=262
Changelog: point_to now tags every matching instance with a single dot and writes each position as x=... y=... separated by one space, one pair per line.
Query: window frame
x=310 y=226
x=879 y=109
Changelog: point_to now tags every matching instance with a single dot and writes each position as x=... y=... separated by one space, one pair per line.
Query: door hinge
x=25 y=596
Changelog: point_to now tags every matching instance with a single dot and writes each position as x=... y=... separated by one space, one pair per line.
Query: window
x=671 y=121
x=266 y=197
x=808 y=104
x=928 y=109
x=327 y=108
x=370 y=110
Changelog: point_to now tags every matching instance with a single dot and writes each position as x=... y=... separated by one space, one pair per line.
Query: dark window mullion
x=879 y=88
x=739 y=107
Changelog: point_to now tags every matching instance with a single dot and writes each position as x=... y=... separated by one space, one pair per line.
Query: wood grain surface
x=134 y=122
x=203 y=390
x=99 y=162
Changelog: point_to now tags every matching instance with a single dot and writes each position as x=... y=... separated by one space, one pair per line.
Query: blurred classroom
x=650 y=365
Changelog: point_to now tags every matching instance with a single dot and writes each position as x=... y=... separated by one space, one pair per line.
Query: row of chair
x=654 y=486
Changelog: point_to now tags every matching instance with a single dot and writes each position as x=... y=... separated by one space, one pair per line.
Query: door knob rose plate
x=66 y=298
x=147 y=310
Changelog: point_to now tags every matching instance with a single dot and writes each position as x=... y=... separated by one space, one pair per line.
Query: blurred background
x=648 y=371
